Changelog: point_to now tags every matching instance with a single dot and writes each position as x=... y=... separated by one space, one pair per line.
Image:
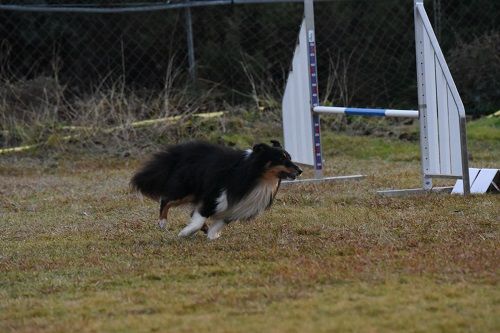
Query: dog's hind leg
x=162 y=221
x=215 y=229
x=166 y=204
x=197 y=222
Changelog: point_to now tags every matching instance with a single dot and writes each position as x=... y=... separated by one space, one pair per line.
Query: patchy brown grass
x=79 y=252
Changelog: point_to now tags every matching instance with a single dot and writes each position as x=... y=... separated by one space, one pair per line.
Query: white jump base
x=323 y=179
x=415 y=191
x=440 y=111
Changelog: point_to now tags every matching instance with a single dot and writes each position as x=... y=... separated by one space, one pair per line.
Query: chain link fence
x=365 y=47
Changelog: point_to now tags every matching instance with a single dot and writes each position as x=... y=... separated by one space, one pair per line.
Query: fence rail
x=124 y=8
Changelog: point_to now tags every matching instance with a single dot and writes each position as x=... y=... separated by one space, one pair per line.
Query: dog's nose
x=299 y=171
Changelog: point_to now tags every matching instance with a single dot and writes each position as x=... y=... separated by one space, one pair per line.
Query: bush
x=476 y=69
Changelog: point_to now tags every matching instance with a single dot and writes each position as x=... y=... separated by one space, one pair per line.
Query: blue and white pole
x=366 y=112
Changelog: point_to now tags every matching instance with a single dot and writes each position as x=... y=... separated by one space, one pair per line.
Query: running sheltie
x=222 y=183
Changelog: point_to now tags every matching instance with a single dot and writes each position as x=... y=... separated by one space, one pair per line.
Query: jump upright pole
x=313 y=86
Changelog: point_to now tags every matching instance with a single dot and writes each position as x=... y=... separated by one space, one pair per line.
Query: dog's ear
x=276 y=144
x=259 y=147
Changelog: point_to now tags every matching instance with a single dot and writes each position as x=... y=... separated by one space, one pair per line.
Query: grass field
x=80 y=253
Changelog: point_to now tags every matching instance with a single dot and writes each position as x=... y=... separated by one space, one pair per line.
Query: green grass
x=486 y=128
x=79 y=252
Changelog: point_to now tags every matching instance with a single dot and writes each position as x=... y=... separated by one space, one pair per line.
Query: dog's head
x=277 y=161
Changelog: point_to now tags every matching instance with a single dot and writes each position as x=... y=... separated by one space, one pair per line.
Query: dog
x=223 y=184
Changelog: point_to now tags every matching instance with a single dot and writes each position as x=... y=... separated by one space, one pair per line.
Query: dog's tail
x=151 y=180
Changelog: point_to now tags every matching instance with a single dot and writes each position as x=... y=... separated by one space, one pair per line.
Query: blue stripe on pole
x=313 y=79
x=365 y=112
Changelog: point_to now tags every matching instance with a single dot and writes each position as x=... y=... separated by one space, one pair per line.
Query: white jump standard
x=440 y=111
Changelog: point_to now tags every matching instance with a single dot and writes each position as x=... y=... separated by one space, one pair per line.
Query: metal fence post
x=437 y=17
x=190 y=44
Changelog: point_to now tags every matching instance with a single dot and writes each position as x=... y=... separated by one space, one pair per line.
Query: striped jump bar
x=366 y=112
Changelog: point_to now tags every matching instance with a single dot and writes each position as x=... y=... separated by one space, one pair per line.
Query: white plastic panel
x=484 y=180
x=430 y=94
x=444 y=108
x=481 y=180
x=459 y=185
x=296 y=108
x=443 y=121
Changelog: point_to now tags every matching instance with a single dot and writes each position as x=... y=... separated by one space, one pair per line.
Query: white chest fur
x=253 y=204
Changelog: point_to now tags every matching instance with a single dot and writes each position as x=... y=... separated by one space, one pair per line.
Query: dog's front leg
x=214 y=231
x=196 y=223
x=205 y=225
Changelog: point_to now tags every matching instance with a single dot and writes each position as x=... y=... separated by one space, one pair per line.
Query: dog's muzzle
x=293 y=173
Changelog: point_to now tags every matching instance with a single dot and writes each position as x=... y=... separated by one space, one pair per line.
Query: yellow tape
x=18 y=149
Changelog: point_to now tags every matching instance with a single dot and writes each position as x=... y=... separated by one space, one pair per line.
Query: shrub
x=476 y=69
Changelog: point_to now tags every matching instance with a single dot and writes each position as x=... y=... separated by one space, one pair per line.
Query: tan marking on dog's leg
x=164 y=212
x=163 y=217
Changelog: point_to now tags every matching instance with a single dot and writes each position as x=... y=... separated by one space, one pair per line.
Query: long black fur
x=204 y=170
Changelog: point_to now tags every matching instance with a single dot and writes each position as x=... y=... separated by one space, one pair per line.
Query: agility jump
x=440 y=109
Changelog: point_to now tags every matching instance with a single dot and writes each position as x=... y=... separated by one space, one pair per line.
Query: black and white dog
x=222 y=183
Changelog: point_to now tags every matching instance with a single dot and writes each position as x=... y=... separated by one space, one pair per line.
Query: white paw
x=186 y=232
x=162 y=223
x=213 y=235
